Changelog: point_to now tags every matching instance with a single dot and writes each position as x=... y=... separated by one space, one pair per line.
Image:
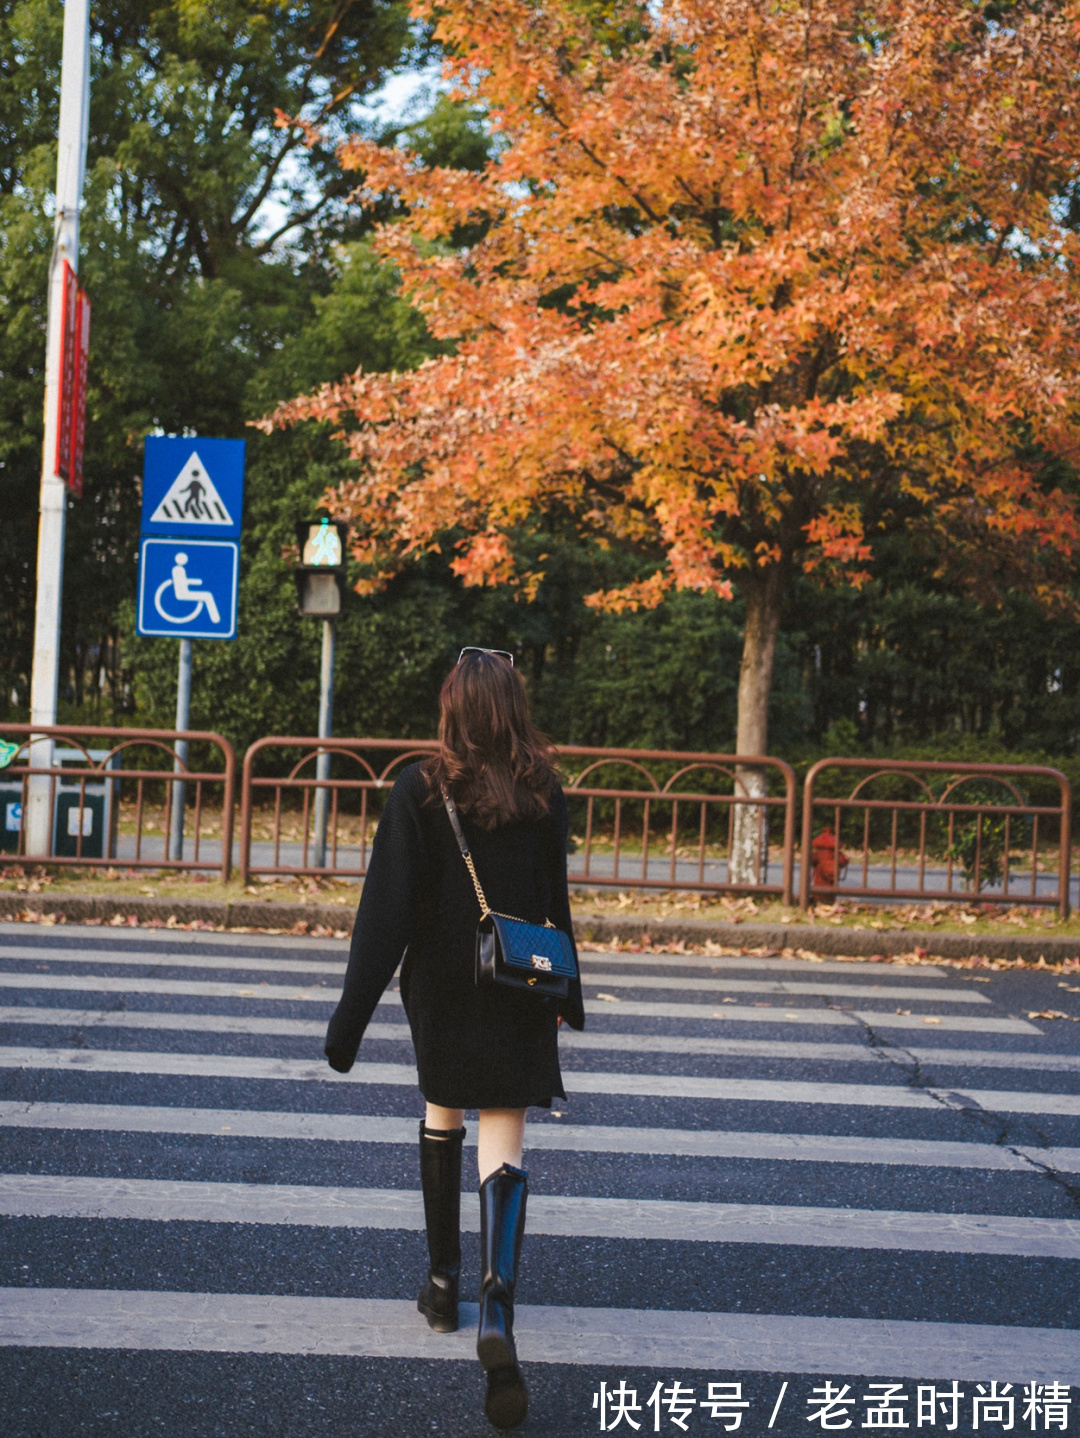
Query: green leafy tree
x=391 y=652
x=208 y=223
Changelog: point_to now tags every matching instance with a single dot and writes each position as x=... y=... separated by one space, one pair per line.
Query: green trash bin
x=83 y=812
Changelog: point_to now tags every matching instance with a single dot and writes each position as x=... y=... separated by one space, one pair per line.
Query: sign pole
x=70 y=165
x=183 y=718
x=326 y=724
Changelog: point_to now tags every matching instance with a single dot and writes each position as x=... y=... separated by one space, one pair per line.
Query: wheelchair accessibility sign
x=187 y=588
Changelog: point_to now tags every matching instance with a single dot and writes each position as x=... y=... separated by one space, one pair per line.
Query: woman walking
x=489 y=1048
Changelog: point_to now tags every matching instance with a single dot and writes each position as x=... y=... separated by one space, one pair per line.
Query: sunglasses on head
x=477 y=649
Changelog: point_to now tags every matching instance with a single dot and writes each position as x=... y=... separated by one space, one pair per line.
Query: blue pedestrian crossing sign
x=193 y=487
x=187 y=588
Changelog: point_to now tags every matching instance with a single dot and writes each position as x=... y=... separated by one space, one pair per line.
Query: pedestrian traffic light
x=322 y=563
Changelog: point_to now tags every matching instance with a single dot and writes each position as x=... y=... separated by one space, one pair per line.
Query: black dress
x=475 y=1048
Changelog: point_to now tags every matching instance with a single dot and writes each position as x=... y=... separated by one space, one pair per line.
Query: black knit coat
x=475 y=1048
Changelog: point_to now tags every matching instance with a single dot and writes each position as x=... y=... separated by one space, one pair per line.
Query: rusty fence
x=85 y=796
x=93 y=797
x=936 y=831
x=638 y=818
x=279 y=810
x=661 y=819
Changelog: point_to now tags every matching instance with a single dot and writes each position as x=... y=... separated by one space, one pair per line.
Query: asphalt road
x=658 y=870
x=774 y=1184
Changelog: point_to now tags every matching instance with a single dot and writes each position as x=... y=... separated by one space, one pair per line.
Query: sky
x=406 y=96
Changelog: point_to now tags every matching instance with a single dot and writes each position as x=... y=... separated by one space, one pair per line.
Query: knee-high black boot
x=440 y=1179
x=502 y=1224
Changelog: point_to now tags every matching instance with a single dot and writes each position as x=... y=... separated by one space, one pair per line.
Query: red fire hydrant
x=830 y=863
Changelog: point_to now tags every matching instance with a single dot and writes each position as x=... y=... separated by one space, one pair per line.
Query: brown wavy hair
x=491 y=759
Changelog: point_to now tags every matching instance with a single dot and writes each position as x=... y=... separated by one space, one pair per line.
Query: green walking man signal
x=322 y=563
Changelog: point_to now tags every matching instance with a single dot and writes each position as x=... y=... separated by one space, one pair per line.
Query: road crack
x=910 y=1063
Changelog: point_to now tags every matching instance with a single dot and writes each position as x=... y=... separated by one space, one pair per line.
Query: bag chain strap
x=463 y=845
x=484 y=909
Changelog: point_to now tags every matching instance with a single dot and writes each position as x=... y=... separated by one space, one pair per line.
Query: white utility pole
x=70 y=167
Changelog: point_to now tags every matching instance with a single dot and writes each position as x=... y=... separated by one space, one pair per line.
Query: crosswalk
x=770 y=1174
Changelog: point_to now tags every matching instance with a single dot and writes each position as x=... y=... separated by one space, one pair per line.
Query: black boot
x=440 y=1178
x=502 y=1224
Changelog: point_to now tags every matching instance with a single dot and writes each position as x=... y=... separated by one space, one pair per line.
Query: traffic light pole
x=321 y=546
x=326 y=724
x=70 y=165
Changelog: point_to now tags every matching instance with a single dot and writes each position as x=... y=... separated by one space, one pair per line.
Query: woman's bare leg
x=436 y=1118
x=501 y=1139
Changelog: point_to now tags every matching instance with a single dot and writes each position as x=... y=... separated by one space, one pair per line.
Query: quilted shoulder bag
x=512 y=953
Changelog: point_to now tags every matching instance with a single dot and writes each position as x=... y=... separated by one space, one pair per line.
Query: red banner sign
x=78 y=397
x=71 y=404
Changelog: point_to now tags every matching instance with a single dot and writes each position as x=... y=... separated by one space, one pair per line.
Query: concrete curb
x=217 y=913
x=827 y=939
x=597 y=928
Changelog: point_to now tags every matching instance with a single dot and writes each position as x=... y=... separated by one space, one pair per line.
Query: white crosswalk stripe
x=69 y=1096
x=576 y=1138
x=43 y=959
x=717 y=1342
x=590 y=976
x=326 y=994
x=649 y=1085
x=179 y=942
x=852 y=1051
x=61 y=1196
x=795 y=989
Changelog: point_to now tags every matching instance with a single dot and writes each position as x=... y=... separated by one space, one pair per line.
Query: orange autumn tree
x=737 y=273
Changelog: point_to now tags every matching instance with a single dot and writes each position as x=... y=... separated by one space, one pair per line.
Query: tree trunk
x=749 y=848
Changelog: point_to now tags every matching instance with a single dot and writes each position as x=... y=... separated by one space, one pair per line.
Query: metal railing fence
x=665 y=819
x=898 y=830
x=931 y=830
x=617 y=838
x=110 y=791
x=285 y=842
